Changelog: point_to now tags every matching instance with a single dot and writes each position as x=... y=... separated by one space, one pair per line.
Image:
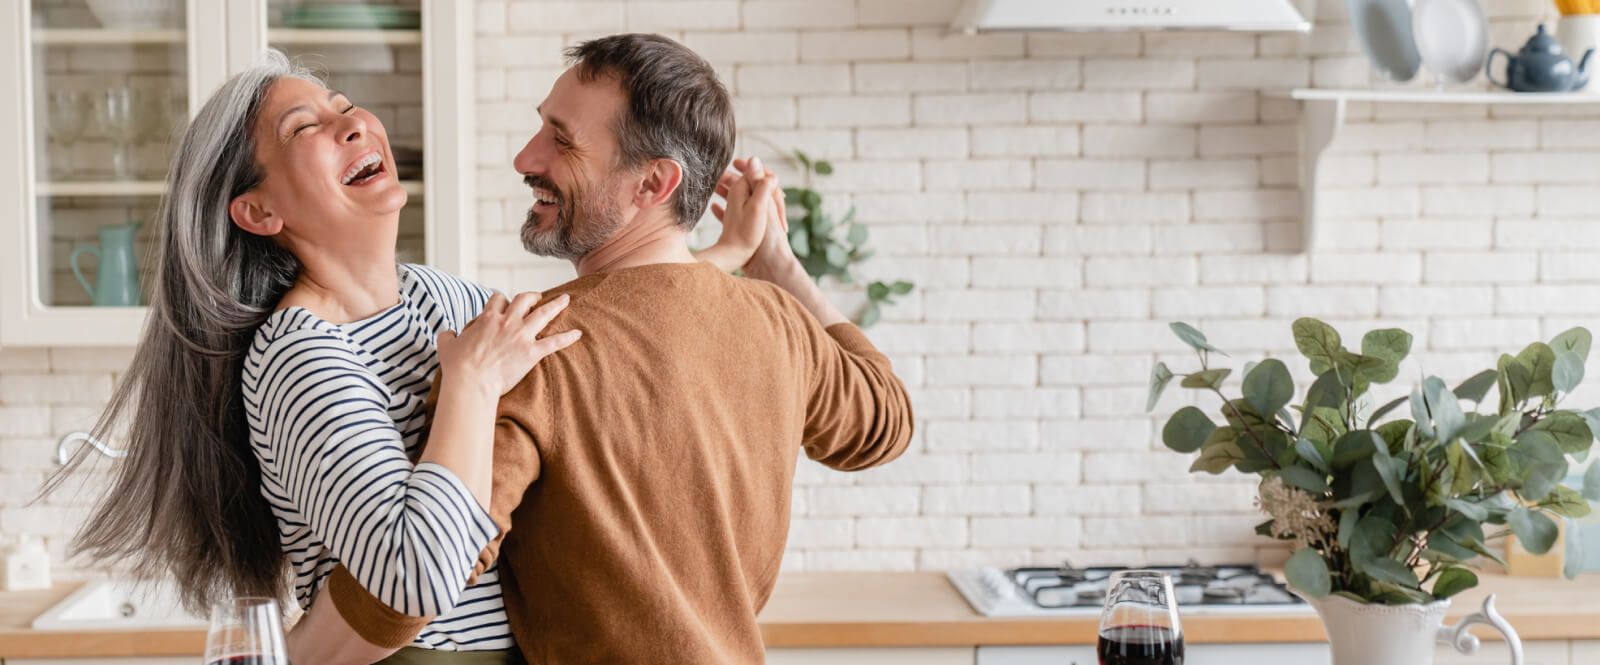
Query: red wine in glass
x=1140 y=645
x=1139 y=625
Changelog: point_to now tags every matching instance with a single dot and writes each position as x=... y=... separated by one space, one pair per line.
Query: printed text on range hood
x=1095 y=15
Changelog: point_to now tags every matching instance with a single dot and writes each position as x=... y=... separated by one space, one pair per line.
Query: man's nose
x=528 y=161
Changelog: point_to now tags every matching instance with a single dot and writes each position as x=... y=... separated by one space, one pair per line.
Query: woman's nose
x=353 y=129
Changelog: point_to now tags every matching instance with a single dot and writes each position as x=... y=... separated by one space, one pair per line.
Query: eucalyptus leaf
x=1568 y=371
x=1572 y=555
x=1386 y=409
x=1187 y=430
x=1567 y=430
x=1318 y=342
x=1390 y=344
x=1348 y=520
x=1308 y=573
x=858 y=234
x=1566 y=502
x=800 y=241
x=1268 y=387
x=1356 y=446
x=1471 y=510
x=1207 y=379
x=1328 y=390
x=901 y=288
x=1313 y=453
x=1392 y=471
x=1385 y=569
x=1453 y=581
x=1591 y=482
x=1160 y=376
x=870 y=314
x=1534 y=530
x=877 y=291
x=1540 y=360
x=1372 y=538
x=1448 y=419
x=1217 y=458
x=1306 y=479
x=1420 y=414
x=838 y=257
x=1194 y=338
x=1576 y=340
x=1477 y=387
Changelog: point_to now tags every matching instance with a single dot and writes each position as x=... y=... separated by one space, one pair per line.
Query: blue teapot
x=1540 y=67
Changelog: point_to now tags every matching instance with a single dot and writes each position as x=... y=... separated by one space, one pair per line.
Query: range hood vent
x=1131 y=15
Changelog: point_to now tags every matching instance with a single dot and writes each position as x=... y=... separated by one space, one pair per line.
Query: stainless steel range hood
x=1097 y=15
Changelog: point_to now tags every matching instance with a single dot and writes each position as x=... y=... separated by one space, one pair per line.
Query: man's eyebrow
x=561 y=128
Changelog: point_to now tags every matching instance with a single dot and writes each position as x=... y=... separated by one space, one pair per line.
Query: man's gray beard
x=565 y=239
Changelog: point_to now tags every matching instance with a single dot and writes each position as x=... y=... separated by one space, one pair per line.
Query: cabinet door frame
x=222 y=38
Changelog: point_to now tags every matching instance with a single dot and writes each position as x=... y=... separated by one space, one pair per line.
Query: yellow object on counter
x=1521 y=563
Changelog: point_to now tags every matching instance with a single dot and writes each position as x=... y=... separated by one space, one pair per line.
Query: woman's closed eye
x=345 y=111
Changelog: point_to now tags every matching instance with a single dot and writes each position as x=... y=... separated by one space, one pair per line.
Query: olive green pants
x=415 y=656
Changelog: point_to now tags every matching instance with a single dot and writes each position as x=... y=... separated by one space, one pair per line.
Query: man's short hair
x=677 y=109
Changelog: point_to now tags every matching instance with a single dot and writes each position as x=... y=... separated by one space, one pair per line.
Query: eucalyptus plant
x=814 y=236
x=1388 y=504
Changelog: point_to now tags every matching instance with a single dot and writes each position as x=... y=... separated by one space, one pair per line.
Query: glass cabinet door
x=109 y=90
x=372 y=51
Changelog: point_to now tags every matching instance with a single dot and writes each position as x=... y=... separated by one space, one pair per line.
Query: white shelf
x=146 y=188
x=1322 y=115
x=297 y=36
x=1423 y=96
x=109 y=37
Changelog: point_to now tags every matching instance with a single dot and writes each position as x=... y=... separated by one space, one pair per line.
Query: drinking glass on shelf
x=69 y=115
x=246 y=631
x=153 y=121
x=1139 y=624
x=118 y=116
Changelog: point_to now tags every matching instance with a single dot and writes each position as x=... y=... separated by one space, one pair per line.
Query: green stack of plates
x=352 y=17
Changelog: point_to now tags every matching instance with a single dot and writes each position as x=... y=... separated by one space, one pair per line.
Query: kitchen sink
x=116 y=605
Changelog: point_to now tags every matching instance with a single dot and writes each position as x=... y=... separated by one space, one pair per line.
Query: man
x=642 y=479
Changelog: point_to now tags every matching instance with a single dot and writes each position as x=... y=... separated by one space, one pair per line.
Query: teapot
x=1540 y=66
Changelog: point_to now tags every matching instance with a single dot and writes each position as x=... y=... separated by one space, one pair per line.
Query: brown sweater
x=642 y=477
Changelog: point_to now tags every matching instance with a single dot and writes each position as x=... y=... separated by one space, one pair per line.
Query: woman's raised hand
x=502 y=345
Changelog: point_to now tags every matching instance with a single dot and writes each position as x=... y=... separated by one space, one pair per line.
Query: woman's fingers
x=521 y=304
x=548 y=345
x=718 y=211
x=496 y=305
x=544 y=314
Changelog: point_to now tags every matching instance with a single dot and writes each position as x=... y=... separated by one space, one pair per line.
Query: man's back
x=657 y=459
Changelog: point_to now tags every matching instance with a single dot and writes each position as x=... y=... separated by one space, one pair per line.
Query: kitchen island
x=884 y=612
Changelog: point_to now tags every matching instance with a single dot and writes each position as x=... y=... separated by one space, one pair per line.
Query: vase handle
x=1467 y=643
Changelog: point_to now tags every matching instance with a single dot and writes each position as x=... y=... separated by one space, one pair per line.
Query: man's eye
x=560 y=141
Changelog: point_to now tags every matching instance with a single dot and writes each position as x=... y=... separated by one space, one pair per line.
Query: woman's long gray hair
x=186 y=502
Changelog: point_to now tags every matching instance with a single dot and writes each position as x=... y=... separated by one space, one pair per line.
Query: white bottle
x=25 y=566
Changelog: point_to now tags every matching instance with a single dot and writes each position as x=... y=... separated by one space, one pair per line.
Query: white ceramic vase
x=1373 y=634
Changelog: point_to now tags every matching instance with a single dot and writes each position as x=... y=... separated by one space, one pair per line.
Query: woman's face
x=328 y=172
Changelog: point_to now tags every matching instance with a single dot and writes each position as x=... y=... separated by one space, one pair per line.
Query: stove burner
x=1193 y=584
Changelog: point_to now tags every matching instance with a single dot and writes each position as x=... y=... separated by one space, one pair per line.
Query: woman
x=278 y=386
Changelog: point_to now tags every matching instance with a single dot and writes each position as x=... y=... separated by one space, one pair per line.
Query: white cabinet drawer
x=919 y=656
x=1195 y=654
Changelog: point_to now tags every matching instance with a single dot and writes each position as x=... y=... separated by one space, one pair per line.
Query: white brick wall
x=1057 y=198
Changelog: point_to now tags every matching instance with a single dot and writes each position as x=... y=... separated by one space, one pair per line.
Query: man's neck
x=657 y=239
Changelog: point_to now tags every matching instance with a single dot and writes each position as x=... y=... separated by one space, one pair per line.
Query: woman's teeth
x=366 y=168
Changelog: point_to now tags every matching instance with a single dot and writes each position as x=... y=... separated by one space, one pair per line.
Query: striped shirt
x=334 y=410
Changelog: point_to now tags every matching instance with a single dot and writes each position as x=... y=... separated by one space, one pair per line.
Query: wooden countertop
x=895 y=610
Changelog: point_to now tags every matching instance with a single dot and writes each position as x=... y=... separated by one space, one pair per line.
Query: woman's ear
x=248 y=214
x=661 y=179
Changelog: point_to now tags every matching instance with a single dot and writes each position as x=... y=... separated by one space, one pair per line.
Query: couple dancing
x=426 y=464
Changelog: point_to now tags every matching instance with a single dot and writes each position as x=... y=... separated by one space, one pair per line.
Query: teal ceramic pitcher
x=117 y=278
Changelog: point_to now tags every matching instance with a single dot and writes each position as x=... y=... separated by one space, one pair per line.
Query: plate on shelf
x=1384 y=28
x=1452 y=36
x=352 y=17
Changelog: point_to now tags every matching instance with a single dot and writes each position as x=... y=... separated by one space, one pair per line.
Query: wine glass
x=246 y=631
x=118 y=116
x=69 y=115
x=1139 y=625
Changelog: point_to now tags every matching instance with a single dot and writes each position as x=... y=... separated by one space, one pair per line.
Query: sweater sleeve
x=516 y=467
x=859 y=415
x=408 y=534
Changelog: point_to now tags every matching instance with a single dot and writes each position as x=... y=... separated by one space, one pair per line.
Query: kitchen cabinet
x=90 y=120
x=98 y=661
x=845 y=656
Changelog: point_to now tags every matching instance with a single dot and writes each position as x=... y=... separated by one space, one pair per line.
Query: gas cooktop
x=1069 y=591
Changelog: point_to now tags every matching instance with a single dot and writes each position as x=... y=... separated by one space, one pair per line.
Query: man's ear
x=249 y=214
x=661 y=179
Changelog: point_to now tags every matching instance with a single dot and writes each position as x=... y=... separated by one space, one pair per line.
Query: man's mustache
x=542 y=182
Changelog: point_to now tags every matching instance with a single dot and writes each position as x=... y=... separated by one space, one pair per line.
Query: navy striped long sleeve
x=334 y=412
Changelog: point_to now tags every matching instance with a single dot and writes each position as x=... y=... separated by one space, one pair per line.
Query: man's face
x=579 y=191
